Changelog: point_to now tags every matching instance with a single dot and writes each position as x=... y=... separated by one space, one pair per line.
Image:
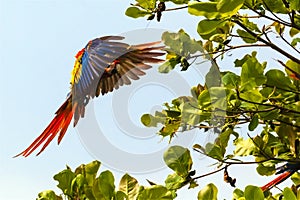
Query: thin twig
x=281 y=36
x=178 y=8
x=273 y=46
x=210 y=173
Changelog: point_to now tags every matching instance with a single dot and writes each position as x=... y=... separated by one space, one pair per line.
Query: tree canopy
x=265 y=98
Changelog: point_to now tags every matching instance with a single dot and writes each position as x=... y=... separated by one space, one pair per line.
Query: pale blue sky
x=39 y=39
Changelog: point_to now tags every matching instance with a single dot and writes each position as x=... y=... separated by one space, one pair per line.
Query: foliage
x=253 y=93
x=85 y=183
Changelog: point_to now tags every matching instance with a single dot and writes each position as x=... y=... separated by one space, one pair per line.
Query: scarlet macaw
x=286 y=171
x=102 y=65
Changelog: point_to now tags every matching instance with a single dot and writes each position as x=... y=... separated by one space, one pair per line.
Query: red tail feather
x=59 y=125
x=277 y=180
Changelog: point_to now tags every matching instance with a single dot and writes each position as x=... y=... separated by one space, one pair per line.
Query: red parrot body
x=103 y=65
x=285 y=172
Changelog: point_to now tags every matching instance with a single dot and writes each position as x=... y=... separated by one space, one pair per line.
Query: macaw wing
x=129 y=66
x=108 y=64
x=97 y=56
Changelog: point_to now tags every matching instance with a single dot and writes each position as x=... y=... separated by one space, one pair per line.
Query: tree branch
x=273 y=46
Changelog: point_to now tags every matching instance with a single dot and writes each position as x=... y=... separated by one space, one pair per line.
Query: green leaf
x=180 y=46
x=288 y=194
x=206 y=9
x=155 y=192
x=237 y=194
x=279 y=28
x=253 y=123
x=135 y=12
x=204 y=99
x=207 y=28
x=294 y=4
x=244 y=147
x=239 y=63
x=48 y=195
x=231 y=80
x=268 y=115
x=147 y=4
x=193 y=184
x=210 y=192
x=276 y=6
x=91 y=170
x=296 y=178
x=278 y=79
x=266 y=169
x=64 y=179
x=129 y=186
x=174 y=182
x=178 y=159
x=214 y=151
x=294 y=66
x=78 y=183
x=190 y=114
x=230 y=7
x=177 y=1
x=169 y=65
x=252 y=74
x=104 y=187
x=152 y=121
x=215 y=10
x=121 y=196
x=295 y=41
x=250 y=25
x=247 y=37
x=252 y=95
x=253 y=193
x=213 y=77
x=218 y=99
x=293 y=32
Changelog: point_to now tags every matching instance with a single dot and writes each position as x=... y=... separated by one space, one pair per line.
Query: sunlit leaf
x=237 y=194
x=252 y=96
x=206 y=9
x=64 y=179
x=278 y=79
x=244 y=147
x=247 y=37
x=174 y=182
x=294 y=31
x=266 y=169
x=210 y=192
x=48 y=195
x=231 y=80
x=230 y=7
x=135 y=12
x=156 y=192
x=207 y=28
x=104 y=187
x=121 y=196
x=276 y=6
x=147 y=4
x=178 y=159
x=295 y=41
x=253 y=193
x=289 y=194
x=177 y=1
x=129 y=186
x=296 y=178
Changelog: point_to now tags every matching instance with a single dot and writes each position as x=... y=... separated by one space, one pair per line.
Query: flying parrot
x=286 y=171
x=103 y=65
